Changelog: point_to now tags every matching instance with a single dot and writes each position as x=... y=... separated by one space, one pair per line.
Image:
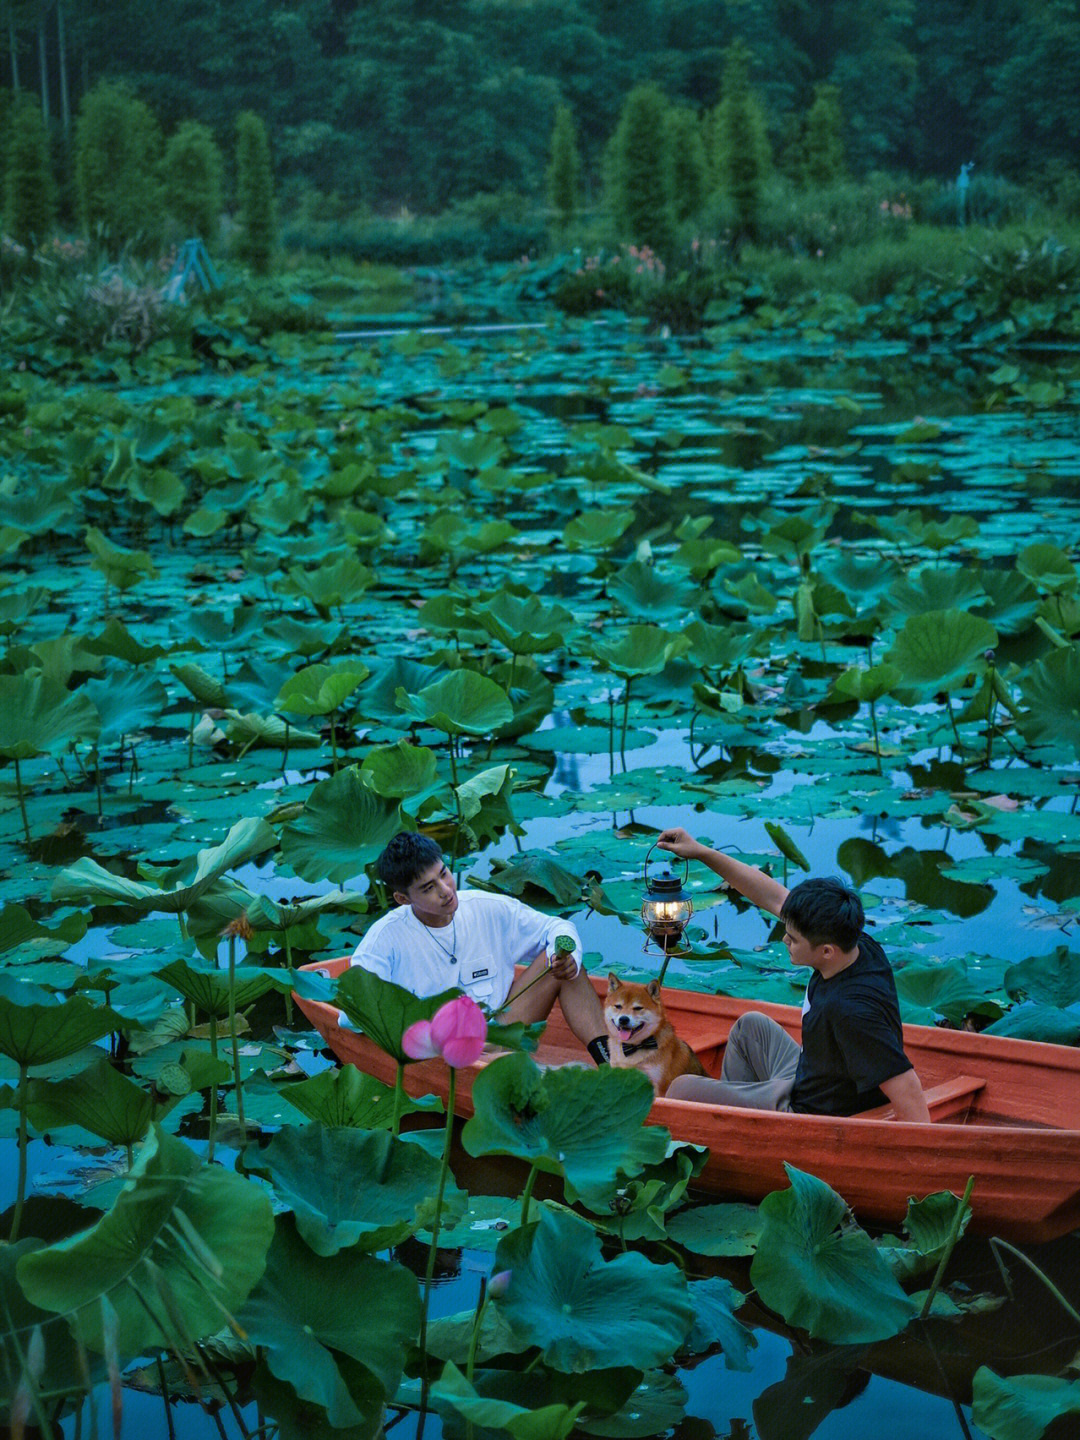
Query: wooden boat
x=1004 y=1111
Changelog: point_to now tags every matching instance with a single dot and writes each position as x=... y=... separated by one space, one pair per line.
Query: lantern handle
x=652 y=847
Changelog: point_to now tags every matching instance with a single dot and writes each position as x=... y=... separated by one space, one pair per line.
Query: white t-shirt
x=489 y=935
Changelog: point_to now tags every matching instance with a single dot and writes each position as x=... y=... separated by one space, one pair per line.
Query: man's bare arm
x=906 y=1096
x=760 y=889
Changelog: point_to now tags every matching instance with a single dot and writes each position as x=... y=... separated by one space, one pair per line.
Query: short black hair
x=406 y=857
x=825 y=911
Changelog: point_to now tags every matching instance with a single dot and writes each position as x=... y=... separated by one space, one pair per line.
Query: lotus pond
x=542 y=591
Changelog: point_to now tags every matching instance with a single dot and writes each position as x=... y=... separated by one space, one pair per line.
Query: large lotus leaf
x=1038 y=1022
x=534 y=871
x=1022 y=1407
x=36 y=1029
x=401 y=771
x=716 y=647
x=928 y=1226
x=1012 y=602
x=869 y=684
x=929 y=989
x=179 y=1250
x=863 y=578
x=597 y=529
x=335 y=582
x=462 y=703
x=344 y=825
x=126 y=700
x=207 y=986
x=378 y=699
x=18 y=928
x=86 y=880
x=939 y=647
x=349 y=1098
x=523 y=623
x=586 y=1124
x=383 y=1010
x=531 y=694
x=307 y=1311
x=1048 y=567
x=1051 y=691
x=201 y=685
x=1049 y=979
x=640 y=650
x=715 y=1301
x=786 y=845
x=100 y=1099
x=485 y=802
x=40 y=716
x=640 y=590
x=319 y=689
x=317 y=1172
x=550 y=1422
x=580 y=1310
x=725 y=1229
x=266 y=913
x=821 y=1272
x=937 y=587
x=120 y=566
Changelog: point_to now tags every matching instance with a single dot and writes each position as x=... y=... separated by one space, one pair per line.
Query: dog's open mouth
x=628 y=1027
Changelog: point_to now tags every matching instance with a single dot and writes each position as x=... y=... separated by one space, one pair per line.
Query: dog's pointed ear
x=653 y=988
x=613 y=981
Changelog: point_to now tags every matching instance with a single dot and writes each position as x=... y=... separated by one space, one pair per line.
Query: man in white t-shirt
x=437 y=939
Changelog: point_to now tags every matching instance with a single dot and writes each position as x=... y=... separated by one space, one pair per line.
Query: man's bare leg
x=578 y=1000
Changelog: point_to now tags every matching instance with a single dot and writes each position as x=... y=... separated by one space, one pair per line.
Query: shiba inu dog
x=643 y=1037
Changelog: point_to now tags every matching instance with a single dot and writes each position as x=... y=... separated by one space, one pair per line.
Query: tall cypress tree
x=564 y=168
x=193 y=179
x=742 y=145
x=28 y=178
x=255 y=192
x=687 y=166
x=641 y=194
x=824 y=146
x=117 y=153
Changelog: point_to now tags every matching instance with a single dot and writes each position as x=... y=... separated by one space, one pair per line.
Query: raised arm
x=760 y=889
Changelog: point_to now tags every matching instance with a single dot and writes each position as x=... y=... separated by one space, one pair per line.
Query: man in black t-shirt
x=852 y=1055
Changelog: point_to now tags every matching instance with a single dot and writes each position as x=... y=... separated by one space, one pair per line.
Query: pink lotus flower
x=457 y=1032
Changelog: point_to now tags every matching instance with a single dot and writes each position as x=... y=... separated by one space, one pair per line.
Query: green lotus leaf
x=931 y=989
x=99 y=1099
x=597 y=529
x=36 y=1029
x=726 y=1229
x=580 y=1310
x=309 y=1311
x=320 y=689
x=336 y=582
x=39 y=716
x=937 y=587
x=1011 y=603
x=347 y=1098
x=867 y=684
x=401 y=771
x=1038 y=1022
x=585 y=1124
x=207 y=986
x=864 y=579
x=641 y=650
x=1051 y=691
x=550 y=1422
x=533 y=871
x=939 y=647
x=640 y=590
x=786 y=845
x=120 y=566
x=265 y=913
x=462 y=703
x=716 y=647
x=523 y=623
x=344 y=825
x=125 y=701
x=485 y=802
x=18 y=928
x=928 y=1227
x=201 y=685
x=188 y=1238
x=1048 y=568
x=272 y=731
x=531 y=694
x=821 y=1272
x=795 y=536
x=715 y=1301
x=383 y=1010
x=1023 y=1407
x=314 y=1171
x=88 y=882
x=749 y=590
x=1048 y=979
x=377 y=700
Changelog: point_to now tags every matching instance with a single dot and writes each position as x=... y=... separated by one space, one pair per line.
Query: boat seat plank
x=951 y=1100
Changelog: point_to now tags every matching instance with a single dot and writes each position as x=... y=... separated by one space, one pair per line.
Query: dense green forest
x=418 y=103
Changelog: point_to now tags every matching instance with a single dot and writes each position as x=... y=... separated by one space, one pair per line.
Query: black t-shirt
x=851 y=1037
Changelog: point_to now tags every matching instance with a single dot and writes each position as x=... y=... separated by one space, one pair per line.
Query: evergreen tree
x=28 y=178
x=824 y=145
x=687 y=167
x=641 y=198
x=564 y=168
x=743 y=158
x=255 y=192
x=193 y=169
x=117 y=155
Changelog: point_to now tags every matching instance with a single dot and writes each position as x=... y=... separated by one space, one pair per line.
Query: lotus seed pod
x=173 y=1079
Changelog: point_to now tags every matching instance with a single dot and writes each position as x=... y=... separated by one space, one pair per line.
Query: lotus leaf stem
x=232 y=1032
x=429 y=1273
x=22 y=800
x=950 y=1246
x=996 y=1243
x=213 y=1090
x=478 y=1320
x=526 y=1194
x=20 y=1191
x=877 y=742
x=625 y=720
x=163 y=1382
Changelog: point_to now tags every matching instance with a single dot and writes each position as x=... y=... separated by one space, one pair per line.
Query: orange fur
x=635 y=1013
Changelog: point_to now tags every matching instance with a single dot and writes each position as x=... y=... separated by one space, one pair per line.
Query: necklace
x=430 y=932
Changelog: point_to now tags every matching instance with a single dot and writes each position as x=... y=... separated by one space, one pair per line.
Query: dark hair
x=406 y=857
x=825 y=911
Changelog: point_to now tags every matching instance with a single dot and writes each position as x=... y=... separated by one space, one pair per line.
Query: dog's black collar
x=649 y=1044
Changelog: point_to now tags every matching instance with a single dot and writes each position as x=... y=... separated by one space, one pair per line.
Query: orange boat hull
x=1014 y=1129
